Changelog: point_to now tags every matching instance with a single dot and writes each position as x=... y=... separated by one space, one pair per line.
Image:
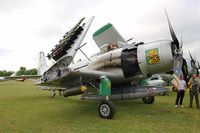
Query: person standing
x=181 y=92
x=194 y=88
x=194 y=85
x=105 y=87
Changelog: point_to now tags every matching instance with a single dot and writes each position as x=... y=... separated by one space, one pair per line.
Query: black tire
x=149 y=99
x=53 y=94
x=106 y=109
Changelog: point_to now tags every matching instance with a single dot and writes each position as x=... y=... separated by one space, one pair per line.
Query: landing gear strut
x=106 y=109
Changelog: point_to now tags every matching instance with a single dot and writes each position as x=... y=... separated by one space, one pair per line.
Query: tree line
x=21 y=71
x=4 y=73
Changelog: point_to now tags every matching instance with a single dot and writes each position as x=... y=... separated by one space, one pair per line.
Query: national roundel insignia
x=152 y=56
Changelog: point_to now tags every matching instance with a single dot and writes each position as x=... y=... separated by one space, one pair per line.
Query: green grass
x=24 y=109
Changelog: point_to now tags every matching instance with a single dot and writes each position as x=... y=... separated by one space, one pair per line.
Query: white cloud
x=29 y=26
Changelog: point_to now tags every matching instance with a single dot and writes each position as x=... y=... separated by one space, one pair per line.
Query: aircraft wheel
x=163 y=94
x=53 y=94
x=106 y=109
x=148 y=99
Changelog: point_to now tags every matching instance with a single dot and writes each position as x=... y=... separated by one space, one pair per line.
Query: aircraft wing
x=89 y=75
x=71 y=77
x=71 y=44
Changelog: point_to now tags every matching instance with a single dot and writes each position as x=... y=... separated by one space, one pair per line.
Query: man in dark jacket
x=194 y=88
x=194 y=85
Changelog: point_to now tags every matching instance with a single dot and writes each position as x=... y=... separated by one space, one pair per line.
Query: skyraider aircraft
x=126 y=65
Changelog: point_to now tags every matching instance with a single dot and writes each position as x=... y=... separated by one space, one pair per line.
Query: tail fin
x=42 y=65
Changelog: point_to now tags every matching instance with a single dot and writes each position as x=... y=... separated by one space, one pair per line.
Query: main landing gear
x=106 y=109
x=149 y=99
x=53 y=94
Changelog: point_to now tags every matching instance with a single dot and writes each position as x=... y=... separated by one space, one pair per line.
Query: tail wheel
x=53 y=94
x=149 y=99
x=106 y=109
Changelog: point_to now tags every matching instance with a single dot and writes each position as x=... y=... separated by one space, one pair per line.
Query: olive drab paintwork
x=105 y=87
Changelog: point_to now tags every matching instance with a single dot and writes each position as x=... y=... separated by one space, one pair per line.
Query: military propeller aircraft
x=126 y=65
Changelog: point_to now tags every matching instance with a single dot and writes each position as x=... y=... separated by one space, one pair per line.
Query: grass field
x=24 y=109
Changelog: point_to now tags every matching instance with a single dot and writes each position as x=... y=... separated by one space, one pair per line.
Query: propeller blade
x=181 y=41
x=178 y=62
x=173 y=35
x=195 y=59
x=198 y=64
x=190 y=54
x=192 y=60
x=185 y=70
x=191 y=57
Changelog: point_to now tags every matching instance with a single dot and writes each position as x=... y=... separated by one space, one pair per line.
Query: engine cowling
x=155 y=57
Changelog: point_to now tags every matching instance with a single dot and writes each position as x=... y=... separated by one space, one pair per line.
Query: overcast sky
x=29 y=26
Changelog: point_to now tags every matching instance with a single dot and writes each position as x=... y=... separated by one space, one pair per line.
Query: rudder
x=42 y=65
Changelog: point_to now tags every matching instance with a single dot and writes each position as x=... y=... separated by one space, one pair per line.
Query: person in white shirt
x=181 y=92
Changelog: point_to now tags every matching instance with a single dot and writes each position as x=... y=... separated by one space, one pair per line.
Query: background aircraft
x=2 y=78
x=126 y=65
x=19 y=78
